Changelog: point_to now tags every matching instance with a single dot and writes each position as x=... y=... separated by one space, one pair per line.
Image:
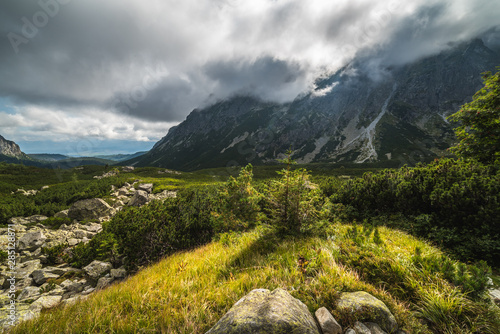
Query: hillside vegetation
x=197 y=254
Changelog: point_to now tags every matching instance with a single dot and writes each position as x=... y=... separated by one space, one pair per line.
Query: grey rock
x=350 y=331
x=495 y=296
x=140 y=198
x=25 y=269
x=89 y=209
x=147 y=187
x=31 y=241
x=62 y=214
x=327 y=322
x=80 y=234
x=41 y=276
x=367 y=308
x=163 y=195
x=374 y=328
x=262 y=311
x=360 y=328
x=93 y=227
x=104 y=282
x=75 y=286
x=73 y=300
x=127 y=169
x=73 y=242
x=88 y=290
x=118 y=273
x=46 y=302
x=97 y=269
x=29 y=292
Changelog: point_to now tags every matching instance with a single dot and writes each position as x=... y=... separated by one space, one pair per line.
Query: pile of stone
x=263 y=311
x=39 y=285
x=168 y=171
x=105 y=175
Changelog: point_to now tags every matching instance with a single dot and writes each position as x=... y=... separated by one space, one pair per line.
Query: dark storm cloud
x=265 y=77
x=157 y=60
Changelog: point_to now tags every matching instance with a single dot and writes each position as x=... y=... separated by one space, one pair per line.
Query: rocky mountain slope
x=356 y=115
x=10 y=148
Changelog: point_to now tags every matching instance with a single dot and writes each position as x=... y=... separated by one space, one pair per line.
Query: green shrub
x=295 y=203
x=3 y=256
x=454 y=203
x=144 y=235
x=54 y=253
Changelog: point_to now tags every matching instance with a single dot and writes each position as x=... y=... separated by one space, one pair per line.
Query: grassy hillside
x=189 y=291
x=197 y=254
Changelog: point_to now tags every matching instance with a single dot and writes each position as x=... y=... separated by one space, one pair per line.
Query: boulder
x=147 y=187
x=46 y=302
x=75 y=286
x=374 y=328
x=86 y=209
x=367 y=308
x=140 y=198
x=25 y=269
x=118 y=273
x=31 y=241
x=350 y=331
x=262 y=311
x=360 y=328
x=495 y=296
x=104 y=282
x=163 y=195
x=327 y=322
x=41 y=276
x=127 y=169
x=29 y=292
x=62 y=214
x=97 y=269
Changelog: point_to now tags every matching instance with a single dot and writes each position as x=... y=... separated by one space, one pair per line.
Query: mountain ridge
x=349 y=117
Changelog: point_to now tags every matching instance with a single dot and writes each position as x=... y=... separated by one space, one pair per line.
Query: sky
x=87 y=77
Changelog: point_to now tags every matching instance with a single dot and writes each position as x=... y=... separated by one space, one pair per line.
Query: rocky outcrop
x=97 y=269
x=9 y=148
x=263 y=311
x=90 y=209
x=140 y=198
x=42 y=285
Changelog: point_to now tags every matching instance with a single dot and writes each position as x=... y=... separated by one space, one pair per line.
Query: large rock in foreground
x=367 y=308
x=263 y=311
x=94 y=208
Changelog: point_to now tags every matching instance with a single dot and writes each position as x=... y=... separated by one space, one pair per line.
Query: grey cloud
x=95 y=54
x=265 y=77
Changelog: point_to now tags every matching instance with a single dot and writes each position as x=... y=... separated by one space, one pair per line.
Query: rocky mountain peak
x=9 y=148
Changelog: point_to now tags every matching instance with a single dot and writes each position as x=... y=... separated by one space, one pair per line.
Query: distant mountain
x=10 y=149
x=11 y=153
x=48 y=157
x=350 y=117
x=121 y=157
